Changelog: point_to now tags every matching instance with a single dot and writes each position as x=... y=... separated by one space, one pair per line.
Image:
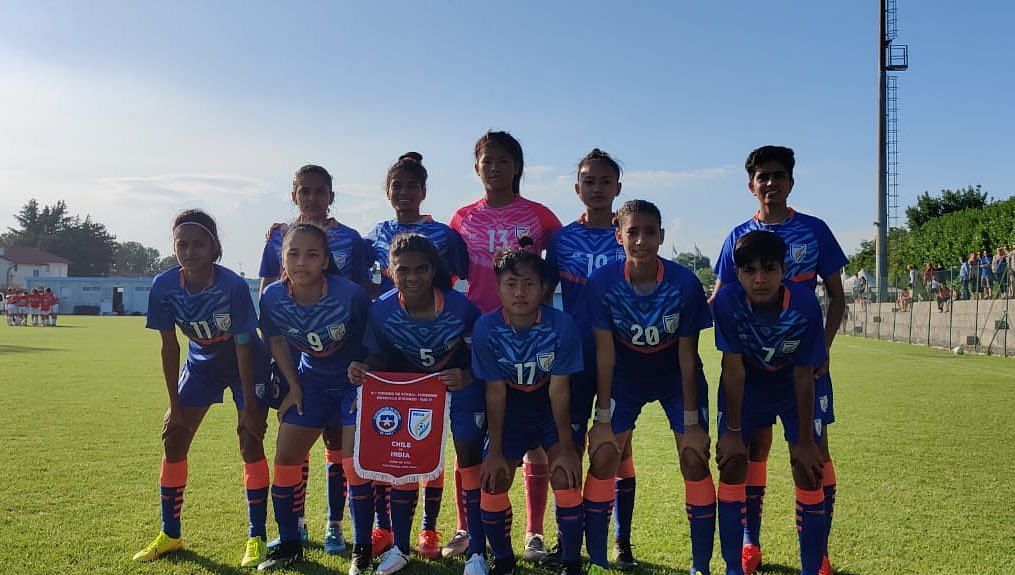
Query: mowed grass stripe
x=923 y=448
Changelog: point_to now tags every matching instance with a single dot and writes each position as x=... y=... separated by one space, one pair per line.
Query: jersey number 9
x=315 y=341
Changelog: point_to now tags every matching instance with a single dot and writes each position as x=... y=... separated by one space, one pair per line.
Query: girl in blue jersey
x=405 y=186
x=525 y=352
x=647 y=314
x=313 y=195
x=425 y=326
x=323 y=315
x=574 y=253
x=212 y=306
x=771 y=335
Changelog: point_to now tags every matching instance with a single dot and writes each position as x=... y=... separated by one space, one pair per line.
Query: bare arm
x=560 y=402
x=687 y=356
x=715 y=290
x=732 y=382
x=496 y=396
x=606 y=358
x=171 y=364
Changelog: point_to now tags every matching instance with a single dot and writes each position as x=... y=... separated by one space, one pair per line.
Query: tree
x=690 y=261
x=166 y=263
x=707 y=278
x=86 y=243
x=133 y=258
x=928 y=207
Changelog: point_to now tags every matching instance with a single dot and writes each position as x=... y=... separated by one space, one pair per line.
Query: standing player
x=493 y=223
x=811 y=252
x=45 y=305
x=574 y=253
x=771 y=336
x=313 y=195
x=323 y=315
x=425 y=326
x=11 y=305
x=211 y=305
x=647 y=313
x=54 y=306
x=34 y=301
x=525 y=352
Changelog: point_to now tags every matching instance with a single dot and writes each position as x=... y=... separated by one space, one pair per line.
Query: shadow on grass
x=187 y=556
x=777 y=569
x=5 y=348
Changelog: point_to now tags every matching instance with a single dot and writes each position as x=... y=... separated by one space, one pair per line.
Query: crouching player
x=647 y=313
x=772 y=339
x=425 y=326
x=526 y=352
x=211 y=305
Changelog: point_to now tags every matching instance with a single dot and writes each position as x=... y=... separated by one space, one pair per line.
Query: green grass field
x=922 y=445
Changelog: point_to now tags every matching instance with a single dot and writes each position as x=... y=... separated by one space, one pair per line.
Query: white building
x=107 y=295
x=19 y=264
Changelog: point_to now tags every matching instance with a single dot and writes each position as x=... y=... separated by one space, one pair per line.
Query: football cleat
x=476 y=565
x=457 y=545
x=826 y=567
x=750 y=558
x=161 y=545
x=505 y=566
x=381 y=540
x=535 y=549
x=392 y=561
x=255 y=553
x=334 y=540
x=429 y=544
x=623 y=558
x=361 y=560
x=283 y=556
x=304 y=537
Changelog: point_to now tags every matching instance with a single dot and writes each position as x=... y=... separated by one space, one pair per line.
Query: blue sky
x=134 y=111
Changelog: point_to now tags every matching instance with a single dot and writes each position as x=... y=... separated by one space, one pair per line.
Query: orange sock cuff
x=535 y=469
x=494 y=501
x=700 y=492
x=350 y=472
x=810 y=497
x=406 y=487
x=436 y=482
x=598 y=490
x=333 y=456
x=828 y=474
x=757 y=473
x=567 y=497
x=288 y=475
x=626 y=470
x=732 y=492
x=471 y=477
x=173 y=474
x=255 y=475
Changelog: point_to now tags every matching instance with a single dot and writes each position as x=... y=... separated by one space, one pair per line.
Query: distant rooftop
x=31 y=256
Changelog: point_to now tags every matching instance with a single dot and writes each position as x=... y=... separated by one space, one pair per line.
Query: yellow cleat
x=161 y=545
x=256 y=552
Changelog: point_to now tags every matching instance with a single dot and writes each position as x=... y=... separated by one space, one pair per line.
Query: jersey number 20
x=645 y=335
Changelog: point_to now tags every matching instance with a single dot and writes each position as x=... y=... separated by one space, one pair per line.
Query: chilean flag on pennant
x=401 y=427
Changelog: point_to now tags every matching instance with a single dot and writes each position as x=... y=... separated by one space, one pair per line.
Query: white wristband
x=690 y=417
x=603 y=415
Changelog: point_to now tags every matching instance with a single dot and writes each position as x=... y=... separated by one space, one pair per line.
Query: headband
x=206 y=230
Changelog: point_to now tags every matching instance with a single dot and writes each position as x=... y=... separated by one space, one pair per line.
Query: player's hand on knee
x=565 y=471
x=174 y=419
x=808 y=462
x=695 y=439
x=357 y=372
x=730 y=451
x=454 y=379
x=496 y=471
x=604 y=452
x=292 y=399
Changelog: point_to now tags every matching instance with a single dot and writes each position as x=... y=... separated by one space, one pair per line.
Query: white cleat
x=476 y=565
x=392 y=561
x=457 y=545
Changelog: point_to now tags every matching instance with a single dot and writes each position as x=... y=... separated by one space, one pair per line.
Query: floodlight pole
x=881 y=242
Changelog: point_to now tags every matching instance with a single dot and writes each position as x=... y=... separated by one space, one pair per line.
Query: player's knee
x=604 y=460
x=803 y=480
x=761 y=444
x=333 y=438
x=734 y=470
x=176 y=441
x=501 y=484
x=692 y=465
x=251 y=448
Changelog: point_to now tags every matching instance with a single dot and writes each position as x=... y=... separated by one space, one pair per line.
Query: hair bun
x=414 y=156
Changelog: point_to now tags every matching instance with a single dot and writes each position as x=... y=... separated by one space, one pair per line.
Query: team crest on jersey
x=545 y=361
x=339 y=258
x=386 y=420
x=799 y=252
x=621 y=255
x=521 y=231
x=817 y=427
x=420 y=423
x=223 y=321
x=452 y=343
x=789 y=346
x=337 y=332
x=823 y=403
x=480 y=418
x=671 y=322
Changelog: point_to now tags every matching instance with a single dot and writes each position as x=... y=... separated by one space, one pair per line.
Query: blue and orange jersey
x=811 y=249
x=346 y=246
x=771 y=343
x=328 y=334
x=525 y=360
x=447 y=241
x=403 y=343
x=646 y=327
x=573 y=254
x=210 y=318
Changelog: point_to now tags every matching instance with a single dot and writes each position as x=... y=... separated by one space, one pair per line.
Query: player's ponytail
x=411 y=162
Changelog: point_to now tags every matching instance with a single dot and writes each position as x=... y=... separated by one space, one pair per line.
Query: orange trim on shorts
x=406 y=487
x=626 y=470
x=567 y=497
x=732 y=492
x=350 y=472
x=598 y=490
x=828 y=474
x=436 y=482
x=699 y=492
x=813 y=497
x=288 y=475
x=173 y=474
x=255 y=475
x=471 y=477
x=494 y=501
x=757 y=473
x=333 y=456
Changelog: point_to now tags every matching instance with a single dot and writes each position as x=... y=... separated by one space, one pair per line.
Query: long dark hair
x=413 y=242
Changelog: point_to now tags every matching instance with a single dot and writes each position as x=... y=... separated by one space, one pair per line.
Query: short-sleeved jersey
x=487 y=230
x=573 y=254
x=526 y=360
x=646 y=326
x=771 y=344
x=419 y=345
x=329 y=334
x=346 y=246
x=447 y=241
x=811 y=249
x=209 y=318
